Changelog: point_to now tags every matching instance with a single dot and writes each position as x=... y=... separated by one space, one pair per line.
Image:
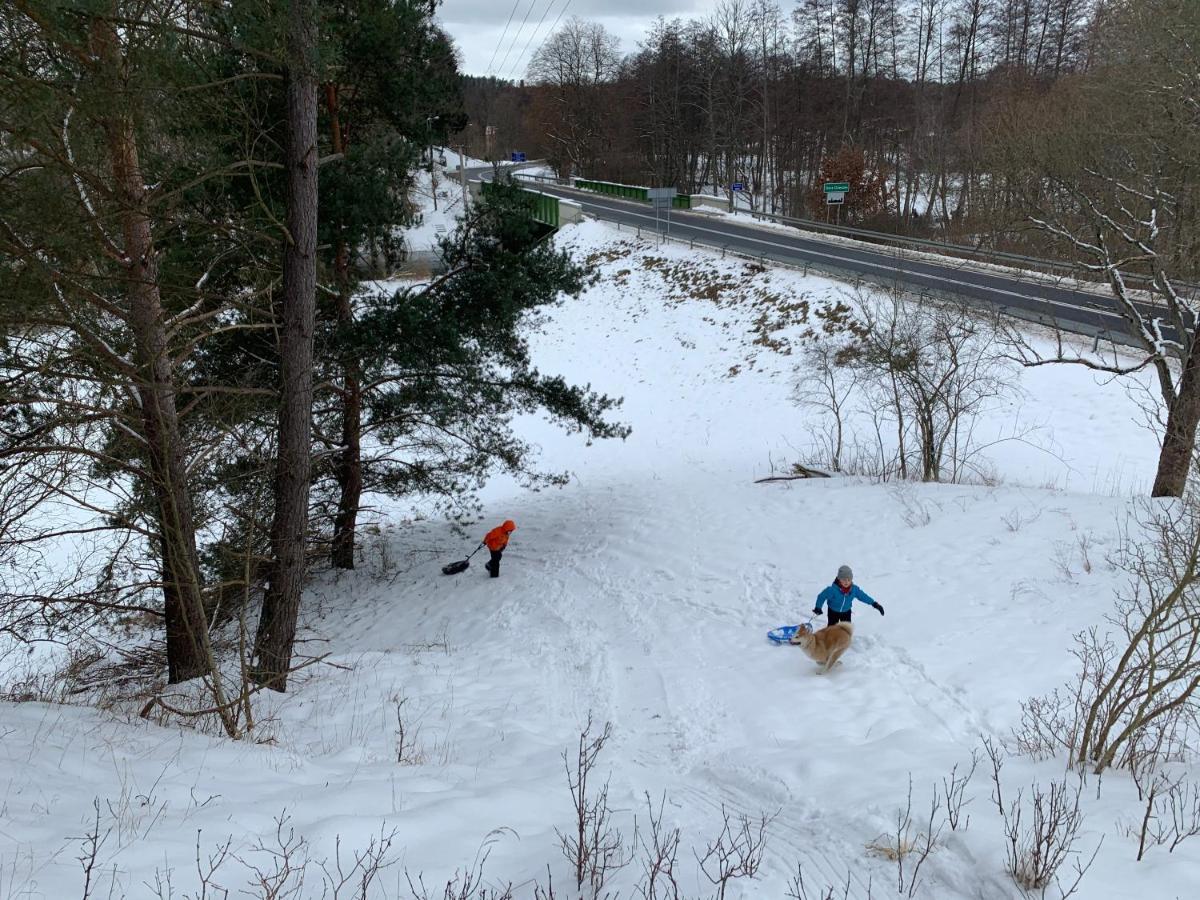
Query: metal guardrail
x=887 y=237
x=974 y=254
x=620 y=191
x=542 y=207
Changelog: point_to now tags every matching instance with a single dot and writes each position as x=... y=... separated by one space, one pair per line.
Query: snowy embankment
x=641 y=594
x=439 y=197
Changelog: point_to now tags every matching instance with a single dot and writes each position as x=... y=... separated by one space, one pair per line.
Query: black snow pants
x=835 y=617
x=493 y=564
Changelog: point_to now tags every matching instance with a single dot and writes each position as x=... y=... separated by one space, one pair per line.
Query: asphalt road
x=1031 y=298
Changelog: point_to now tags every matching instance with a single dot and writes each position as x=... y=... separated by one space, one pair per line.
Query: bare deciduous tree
x=659 y=854
x=955 y=789
x=594 y=847
x=1039 y=846
x=828 y=386
x=1171 y=814
x=799 y=890
x=1123 y=209
x=939 y=365
x=736 y=852
x=1149 y=686
x=924 y=370
x=909 y=845
x=574 y=67
x=1133 y=702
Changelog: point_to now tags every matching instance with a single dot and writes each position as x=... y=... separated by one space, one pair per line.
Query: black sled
x=461 y=566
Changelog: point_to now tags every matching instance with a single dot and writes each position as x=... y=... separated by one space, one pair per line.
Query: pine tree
x=450 y=368
x=107 y=259
x=293 y=473
x=393 y=88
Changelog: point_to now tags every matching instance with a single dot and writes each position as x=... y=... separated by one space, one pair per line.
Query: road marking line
x=858 y=262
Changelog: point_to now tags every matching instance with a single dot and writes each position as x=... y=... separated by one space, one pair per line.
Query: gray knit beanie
x=844 y=574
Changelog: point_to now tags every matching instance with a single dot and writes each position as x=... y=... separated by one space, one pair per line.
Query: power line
x=503 y=35
x=517 y=36
x=561 y=12
x=532 y=37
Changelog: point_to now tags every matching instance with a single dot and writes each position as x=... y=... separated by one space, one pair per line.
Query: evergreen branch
x=232 y=79
x=176 y=28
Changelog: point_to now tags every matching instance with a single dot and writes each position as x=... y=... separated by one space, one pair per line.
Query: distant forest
x=909 y=100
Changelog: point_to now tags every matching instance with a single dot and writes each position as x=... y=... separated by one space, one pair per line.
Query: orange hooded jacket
x=497 y=538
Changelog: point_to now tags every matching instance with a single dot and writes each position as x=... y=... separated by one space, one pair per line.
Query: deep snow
x=641 y=593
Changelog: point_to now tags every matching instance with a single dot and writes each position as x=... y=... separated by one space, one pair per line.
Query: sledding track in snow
x=641 y=592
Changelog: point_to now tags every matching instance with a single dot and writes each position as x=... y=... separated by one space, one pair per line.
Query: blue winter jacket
x=840 y=602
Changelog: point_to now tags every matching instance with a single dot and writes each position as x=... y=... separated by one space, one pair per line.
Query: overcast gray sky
x=477 y=26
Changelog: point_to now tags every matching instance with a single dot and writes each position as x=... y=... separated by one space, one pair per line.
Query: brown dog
x=825 y=647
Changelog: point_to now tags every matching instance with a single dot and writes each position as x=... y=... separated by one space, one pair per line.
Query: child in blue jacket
x=841 y=596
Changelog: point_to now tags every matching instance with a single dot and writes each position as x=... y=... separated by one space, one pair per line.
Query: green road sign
x=837 y=187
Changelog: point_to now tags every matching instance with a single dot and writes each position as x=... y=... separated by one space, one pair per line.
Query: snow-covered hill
x=640 y=594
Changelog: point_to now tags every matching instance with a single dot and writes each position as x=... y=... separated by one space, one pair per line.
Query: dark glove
x=816 y=612
x=880 y=608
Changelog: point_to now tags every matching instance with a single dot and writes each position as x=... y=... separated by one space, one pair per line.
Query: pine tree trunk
x=349 y=463
x=1179 y=442
x=281 y=605
x=187 y=628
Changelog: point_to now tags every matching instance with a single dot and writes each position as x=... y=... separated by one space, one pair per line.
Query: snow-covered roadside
x=641 y=593
x=745 y=216
x=740 y=330
x=435 y=224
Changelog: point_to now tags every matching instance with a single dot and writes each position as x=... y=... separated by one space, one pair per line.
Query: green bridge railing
x=542 y=208
x=629 y=192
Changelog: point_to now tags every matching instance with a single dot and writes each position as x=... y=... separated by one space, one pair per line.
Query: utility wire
x=503 y=35
x=517 y=36
x=550 y=33
x=532 y=37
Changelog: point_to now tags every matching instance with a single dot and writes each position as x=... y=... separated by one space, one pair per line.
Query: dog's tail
x=845 y=626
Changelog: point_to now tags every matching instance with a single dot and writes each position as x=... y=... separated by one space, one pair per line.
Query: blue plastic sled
x=783 y=633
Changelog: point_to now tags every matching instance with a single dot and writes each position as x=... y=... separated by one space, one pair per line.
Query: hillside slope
x=640 y=594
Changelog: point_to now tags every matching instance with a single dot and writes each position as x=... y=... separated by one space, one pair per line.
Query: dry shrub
x=1133 y=702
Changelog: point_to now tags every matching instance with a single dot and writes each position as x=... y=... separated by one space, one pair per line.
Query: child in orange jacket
x=496 y=540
